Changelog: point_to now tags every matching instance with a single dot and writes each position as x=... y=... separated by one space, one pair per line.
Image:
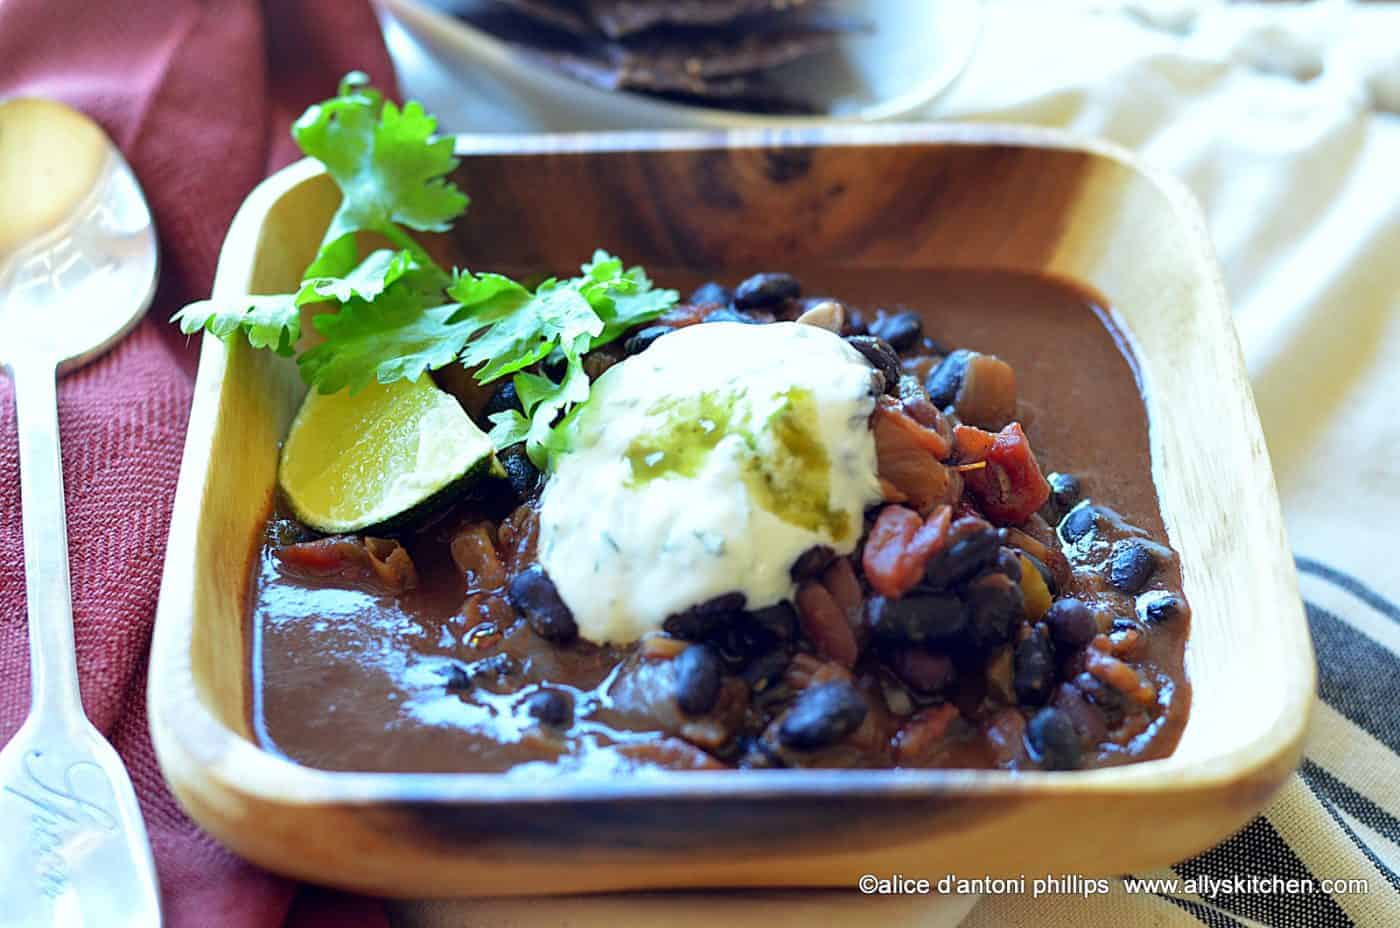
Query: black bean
x=822 y=715
x=641 y=339
x=1131 y=567
x=1071 y=623
x=1124 y=624
x=926 y=671
x=1163 y=608
x=811 y=562
x=766 y=670
x=698 y=676
x=521 y=473
x=710 y=293
x=778 y=620
x=763 y=290
x=994 y=605
x=1053 y=740
x=1009 y=563
x=705 y=619
x=504 y=399
x=1046 y=573
x=533 y=593
x=730 y=314
x=880 y=355
x=1064 y=490
x=902 y=330
x=1082 y=520
x=552 y=707
x=1034 y=679
x=916 y=617
x=973 y=550
x=457 y=678
x=946 y=380
x=740 y=641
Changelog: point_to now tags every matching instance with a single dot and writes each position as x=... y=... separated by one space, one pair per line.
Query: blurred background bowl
x=914 y=52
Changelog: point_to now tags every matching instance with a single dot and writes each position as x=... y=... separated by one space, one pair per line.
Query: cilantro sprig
x=394 y=313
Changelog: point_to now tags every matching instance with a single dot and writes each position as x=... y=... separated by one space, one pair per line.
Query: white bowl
x=914 y=53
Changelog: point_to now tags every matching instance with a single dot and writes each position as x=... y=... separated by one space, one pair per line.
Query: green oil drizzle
x=795 y=484
x=692 y=427
x=792 y=480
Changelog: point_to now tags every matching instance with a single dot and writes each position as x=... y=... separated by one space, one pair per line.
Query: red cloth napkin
x=199 y=96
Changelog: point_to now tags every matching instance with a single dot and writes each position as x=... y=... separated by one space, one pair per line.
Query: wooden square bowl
x=923 y=198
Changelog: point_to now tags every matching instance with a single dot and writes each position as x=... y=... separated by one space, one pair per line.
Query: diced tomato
x=908 y=458
x=1011 y=487
x=972 y=444
x=683 y=314
x=337 y=554
x=891 y=413
x=378 y=561
x=900 y=546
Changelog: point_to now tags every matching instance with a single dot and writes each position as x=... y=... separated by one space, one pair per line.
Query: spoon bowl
x=77 y=270
x=78 y=254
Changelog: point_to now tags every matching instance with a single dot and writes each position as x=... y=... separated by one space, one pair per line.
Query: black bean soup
x=1006 y=608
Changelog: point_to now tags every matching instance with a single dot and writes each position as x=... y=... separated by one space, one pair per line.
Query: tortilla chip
x=669 y=59
x=620 y=18
x=722 y=66
x=560 y=14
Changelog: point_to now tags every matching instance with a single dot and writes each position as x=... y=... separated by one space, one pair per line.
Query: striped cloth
x=1281 y=120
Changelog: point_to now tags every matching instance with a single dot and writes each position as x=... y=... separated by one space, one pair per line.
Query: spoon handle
x=52 y=656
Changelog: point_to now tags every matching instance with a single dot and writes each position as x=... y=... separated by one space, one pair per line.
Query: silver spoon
x=77 y=270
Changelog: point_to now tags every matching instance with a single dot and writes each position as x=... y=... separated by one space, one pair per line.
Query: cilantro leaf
x=396 y=314
x=566 y=319
x=272 y=322
x=517 y=328
x=391 y=338
x=389 y=164
x=543 y=402
x=509 y=428
x=630 y=301
x=368 y=280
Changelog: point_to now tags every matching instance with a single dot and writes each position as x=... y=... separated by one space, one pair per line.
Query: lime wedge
x=381 y=457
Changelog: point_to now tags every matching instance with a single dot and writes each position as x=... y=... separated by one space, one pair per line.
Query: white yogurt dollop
x=706 y=465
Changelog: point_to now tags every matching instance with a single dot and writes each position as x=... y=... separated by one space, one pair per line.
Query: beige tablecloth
x=1276 y=118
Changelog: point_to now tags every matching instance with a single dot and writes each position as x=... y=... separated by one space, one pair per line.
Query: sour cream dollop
x=707 y=465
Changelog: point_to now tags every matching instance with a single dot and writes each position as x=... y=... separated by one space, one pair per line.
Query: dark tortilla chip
x=620 y=18
x=749 y=92
x=722 y=65
x=617 y=76
x=672 y=59
x=561 y=14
